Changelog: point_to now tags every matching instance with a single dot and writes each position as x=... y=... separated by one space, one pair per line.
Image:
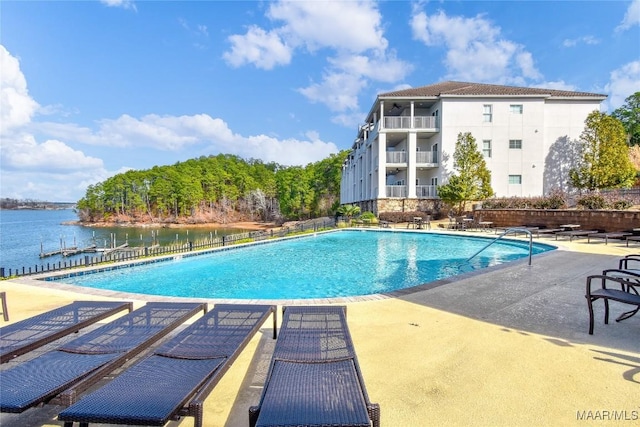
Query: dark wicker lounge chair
x=314 y=378
x=176 y=379
x=575 y=233
x=59 y=375
x=29 y=334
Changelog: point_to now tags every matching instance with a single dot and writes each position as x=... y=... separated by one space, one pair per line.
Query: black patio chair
x=176 y=378
x=29 y=334
x=314 y=377
x=58 y=376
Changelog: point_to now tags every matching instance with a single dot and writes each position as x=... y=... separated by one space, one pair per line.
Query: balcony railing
x=396 y=157
x=396 y=191
x=426 y=157
x=404 y=122
x=426 y=191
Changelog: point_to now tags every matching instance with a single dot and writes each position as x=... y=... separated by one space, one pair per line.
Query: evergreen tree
x=605 y=161
x=629 y=115
x=472 y=180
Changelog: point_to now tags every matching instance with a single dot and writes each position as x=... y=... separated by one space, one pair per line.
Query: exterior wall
x=544 y=128
x=589 y=219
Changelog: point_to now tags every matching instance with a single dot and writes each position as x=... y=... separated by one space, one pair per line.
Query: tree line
x=222 y=188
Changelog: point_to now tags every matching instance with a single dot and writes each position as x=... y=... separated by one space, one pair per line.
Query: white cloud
x=476 y=49
x=125 y=4
x=557 y=85
x=624 y=81
x=354 y=26
x=23 y=152
x=352 y=31
x=631 y=17
x=258 y=47
x=590 y=40
x=16 y=105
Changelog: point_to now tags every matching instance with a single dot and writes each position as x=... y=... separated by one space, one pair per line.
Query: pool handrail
x=504 y=233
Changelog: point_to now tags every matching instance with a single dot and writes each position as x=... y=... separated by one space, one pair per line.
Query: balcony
x=404 y=122
x=427 y=191
x=427 y=157
x=397 y=191
x=396 y=157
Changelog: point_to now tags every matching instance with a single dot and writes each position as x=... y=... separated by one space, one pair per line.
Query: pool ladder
x=507 y=231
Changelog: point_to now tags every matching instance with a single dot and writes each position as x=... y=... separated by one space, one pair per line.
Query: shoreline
x=240 y=225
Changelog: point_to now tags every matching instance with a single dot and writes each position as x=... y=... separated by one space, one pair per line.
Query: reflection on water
x=24 y=234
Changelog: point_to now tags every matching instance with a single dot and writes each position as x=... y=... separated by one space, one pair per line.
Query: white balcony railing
x=404 y=122
x=426 y=191
x=396 y=157
x=426 y=157
x=396 y=191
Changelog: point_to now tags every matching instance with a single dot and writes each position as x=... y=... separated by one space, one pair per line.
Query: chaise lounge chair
x=29 y=334
x=177 y=377
x=59 y=375
x=575 y=233
x=314 y=378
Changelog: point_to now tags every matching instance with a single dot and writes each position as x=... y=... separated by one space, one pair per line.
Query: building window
x=515 y=179
x=487 y=113
x=515 y=144
x=516 y=108
x=434 y=181
x=486 y=148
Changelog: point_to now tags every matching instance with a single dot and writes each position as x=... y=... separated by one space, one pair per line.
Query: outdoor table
x=417 y=222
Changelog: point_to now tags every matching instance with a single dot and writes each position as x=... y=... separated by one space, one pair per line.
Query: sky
x=90 y=89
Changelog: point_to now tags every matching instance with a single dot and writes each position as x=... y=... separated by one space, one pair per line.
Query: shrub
x=591 y=202
x=368 y=215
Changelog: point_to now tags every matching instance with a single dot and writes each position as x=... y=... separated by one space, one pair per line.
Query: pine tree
x=472 y=180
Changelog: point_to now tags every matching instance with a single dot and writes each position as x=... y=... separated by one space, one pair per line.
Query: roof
x=451 y=88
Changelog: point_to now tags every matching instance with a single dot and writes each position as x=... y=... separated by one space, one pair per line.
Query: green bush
x=591 y=202
x=368 y=215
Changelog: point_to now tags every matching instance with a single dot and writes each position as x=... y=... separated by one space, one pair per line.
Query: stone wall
x=604 y=220
x=400 y=205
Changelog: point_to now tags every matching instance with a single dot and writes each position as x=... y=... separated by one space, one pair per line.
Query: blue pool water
x=336 y=264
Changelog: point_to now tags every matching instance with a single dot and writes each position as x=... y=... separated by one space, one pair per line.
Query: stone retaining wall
x=604 y=220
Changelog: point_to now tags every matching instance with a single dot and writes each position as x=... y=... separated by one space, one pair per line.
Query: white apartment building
x=405 y=148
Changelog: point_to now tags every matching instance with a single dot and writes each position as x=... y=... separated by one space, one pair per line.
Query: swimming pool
x=324 y=265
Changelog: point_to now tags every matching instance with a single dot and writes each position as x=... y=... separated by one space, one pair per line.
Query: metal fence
x=110 y=256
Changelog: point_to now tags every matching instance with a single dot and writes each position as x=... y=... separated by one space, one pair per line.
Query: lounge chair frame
x=78 y=364
x=29 y=334
x=215 y=340
x=314 y=359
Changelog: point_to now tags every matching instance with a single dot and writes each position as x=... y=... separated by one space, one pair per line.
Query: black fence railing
x=123 y=254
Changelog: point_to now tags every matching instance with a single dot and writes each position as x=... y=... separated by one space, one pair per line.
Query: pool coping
x=40 y=280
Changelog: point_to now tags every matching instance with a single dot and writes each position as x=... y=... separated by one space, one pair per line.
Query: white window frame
x=515 y=144
x=516 y=108
x=487 y=113
x=486 y=148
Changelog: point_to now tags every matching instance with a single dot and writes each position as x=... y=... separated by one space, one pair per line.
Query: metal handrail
x=507 y=231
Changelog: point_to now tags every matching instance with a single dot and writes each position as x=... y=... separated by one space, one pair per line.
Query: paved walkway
x=508 y=347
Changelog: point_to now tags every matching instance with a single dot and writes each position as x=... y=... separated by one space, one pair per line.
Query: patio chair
x=627 y=294
x=59 y=375
x=314 y=377
x=176 y=378
x=630 y=262
x=29 y=334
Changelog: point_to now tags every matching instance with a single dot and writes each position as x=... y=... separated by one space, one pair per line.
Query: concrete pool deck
x=506 y=347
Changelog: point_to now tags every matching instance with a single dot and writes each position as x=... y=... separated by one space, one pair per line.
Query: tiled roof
x=475 y=89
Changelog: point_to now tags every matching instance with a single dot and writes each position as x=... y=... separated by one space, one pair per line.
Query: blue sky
x=94 y=88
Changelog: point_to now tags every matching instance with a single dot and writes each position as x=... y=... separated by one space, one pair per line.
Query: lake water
x=25 y=233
